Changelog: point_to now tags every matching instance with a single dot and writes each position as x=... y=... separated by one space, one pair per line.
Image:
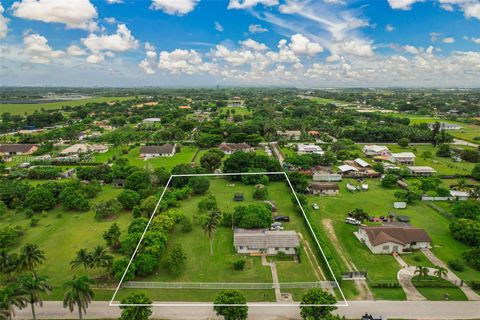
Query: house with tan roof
x=17 y=149
x=165 y=150
x=265 y=242
x=390 y=239
x=403 y=158
x=229 y=148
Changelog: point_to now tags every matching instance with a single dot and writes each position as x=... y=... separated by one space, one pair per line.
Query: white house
x=84 y=148
x=459 y=195
x=229 y=148
x=403 y=158
x=421 y=171
x=289 y=134
x=386 y=240
x=309 y=148
x=361 y=163
x=325 y=188
x=166 y=150
x=263 y=241
x=347 y=168
x=446 y=126
x=324 y=176
x=151 y=120
x=375 y=151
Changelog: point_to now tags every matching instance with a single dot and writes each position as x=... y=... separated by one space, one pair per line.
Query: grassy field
x=203 y=267
x=326 y=100
x=61 y=234
x=379 y=201
x=444 y=289
x=27 y=108
x=235 y=110
x=185 y=155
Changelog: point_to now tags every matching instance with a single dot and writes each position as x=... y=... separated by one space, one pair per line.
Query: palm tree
x=441 y=272
x=83 y=257
x=30 y=257
x=34 y=287
x=210 y=226
x=422 y=271
x=101 y=259
x=78 y=294
x=10 y=297
x=8 y=262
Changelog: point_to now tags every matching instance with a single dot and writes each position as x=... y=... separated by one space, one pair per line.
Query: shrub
x=456 y=265
x=239 y=264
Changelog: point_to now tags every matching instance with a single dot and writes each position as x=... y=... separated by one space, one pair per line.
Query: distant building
x=386 y=240
x=184 y=107
x=166 y=150
x=446 y=126
x=309 y=149
x=421 y=171
x=262 y=241
x=80 y=148
x=229 y=148
x=151 y=120
x=459 y=195
x=324 y=176
x=324 y=188
x=289 y=134
x=17 y=149
x=362 y=163
x=236 y=102
x=68 y=173
x=376 y=151
x=403 y=158
x=345 y=169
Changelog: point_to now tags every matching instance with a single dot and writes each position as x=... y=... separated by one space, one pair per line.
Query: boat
x=351 y=187
x=364 y=186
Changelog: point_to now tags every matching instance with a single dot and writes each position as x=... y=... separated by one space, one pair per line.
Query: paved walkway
x=420 y=310
x=404 y=277
x=469 y=293
x=277 y=152
x=276 y=283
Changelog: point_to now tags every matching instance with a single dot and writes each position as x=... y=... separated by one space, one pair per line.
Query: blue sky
x=307 y=43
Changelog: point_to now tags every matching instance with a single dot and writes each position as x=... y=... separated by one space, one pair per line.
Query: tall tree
x=30 y=257
x=441 y=272
x=210 y=226
x=317 y=304
x=82 y=258
x=10 y=297
x=136 y=313
x=34 y=287
x=78 y=294
x=421 y=271
x=100 y=258
x=232 y=297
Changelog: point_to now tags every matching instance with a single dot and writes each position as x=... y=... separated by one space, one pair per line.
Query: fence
x=354 y=275
x=226 y=285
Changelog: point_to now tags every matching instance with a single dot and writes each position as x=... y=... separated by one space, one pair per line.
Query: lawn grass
x=61 y=234
x=437 y=289
x=235 y=110
x=203 y=267
x=27 y=108
x=185 y=155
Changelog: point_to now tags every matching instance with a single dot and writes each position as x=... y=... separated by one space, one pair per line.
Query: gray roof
x=232 y=147
x=163 y=149
x=16 y=147
x=263 y=238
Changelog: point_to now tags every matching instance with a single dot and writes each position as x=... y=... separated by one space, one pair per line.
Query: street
x=428 y=310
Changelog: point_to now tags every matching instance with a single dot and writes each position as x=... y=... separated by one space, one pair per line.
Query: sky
x=202 y=43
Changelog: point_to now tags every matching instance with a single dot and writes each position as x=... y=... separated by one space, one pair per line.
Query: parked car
x=276 y=224
x=315 y=206
x=384 y=219
x=355 y=222
x=282 y=218
x=277 y=228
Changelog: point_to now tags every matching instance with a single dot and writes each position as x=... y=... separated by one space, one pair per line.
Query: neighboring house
x=325 y=188
x=459 y=195
x=403 y=158
x=376 y=151
x=166 y=150
x=446 y=126
x=289 y=134
x=84 y=148
x=118 y=183
x=324 y=176
x=387 y=240
x=399 y=205
x=17 y=149
x=421 y=171
x=345 y=169
x=184 y=107
x=263 y=241
x=309 y=148
x=151 y=120
x=229 y=148
x=361 y=163
x=68 y=173
x=236 y=102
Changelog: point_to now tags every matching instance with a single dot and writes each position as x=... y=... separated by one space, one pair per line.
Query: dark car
x=383 y=219
x=282 y=218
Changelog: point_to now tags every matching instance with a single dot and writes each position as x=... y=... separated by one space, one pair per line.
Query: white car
x=315 y=206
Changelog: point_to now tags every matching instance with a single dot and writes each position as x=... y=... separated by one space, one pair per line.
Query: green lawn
x=379 y=201
x=203 y=267
x=185 y=155
x=21 y=109
x=62 y=236
x=235 y=110
x=437 y=289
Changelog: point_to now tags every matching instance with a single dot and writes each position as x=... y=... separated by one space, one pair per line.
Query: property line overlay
x=113 y=303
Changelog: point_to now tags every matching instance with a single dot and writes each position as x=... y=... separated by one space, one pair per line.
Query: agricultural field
x=203 y=267
x=27 y=108
x=379 y=201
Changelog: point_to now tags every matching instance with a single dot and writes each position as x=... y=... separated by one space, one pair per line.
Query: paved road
x=421 y=310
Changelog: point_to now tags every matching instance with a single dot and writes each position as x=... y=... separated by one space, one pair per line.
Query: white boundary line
x=114 y=304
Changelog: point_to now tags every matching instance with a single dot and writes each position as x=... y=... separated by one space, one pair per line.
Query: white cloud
x=475 y=40
x=448 y=40
x=3 y=23
x=37 y=48
x=174 y=7
x=246 y=4
x=234 y=57
x=218 y=26
x=110 y=20
x=184 y=61
x=402 y=4
x=149 y=64
x=292 y=6
x=303 y=46
x=389 y=28
x=122 y=40
x=114 y=1
x=470 y=8
x=411 y=49
x=75 y=14
x=252 y=44
x=76 y=51
x=95 y=58
x=256 y=28
x=356 y=47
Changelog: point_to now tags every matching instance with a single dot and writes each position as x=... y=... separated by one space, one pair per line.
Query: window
x=386 y=247
x=276 y=248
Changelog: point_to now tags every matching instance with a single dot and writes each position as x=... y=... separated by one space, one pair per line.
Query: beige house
x=84 y=148
x=387 y=240
x=265 y=242
x=325 y=188
x=165 y=150
x=229 y=148
x=17 y=149
x=403 y=158
x=421 y=171
x=376 y=151
x=289 y=134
